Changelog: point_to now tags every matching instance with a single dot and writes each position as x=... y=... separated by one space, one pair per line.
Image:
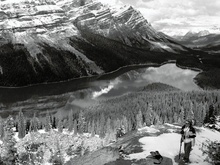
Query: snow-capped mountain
x=46 y=41
x=199 y=39
x=192 y=34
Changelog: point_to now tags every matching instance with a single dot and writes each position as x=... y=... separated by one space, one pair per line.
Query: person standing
x=188 y=137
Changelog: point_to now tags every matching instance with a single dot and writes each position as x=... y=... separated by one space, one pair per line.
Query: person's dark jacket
x=191 y=129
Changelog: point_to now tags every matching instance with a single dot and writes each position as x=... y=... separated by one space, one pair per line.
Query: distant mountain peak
x=194 y=33
x=203 y=33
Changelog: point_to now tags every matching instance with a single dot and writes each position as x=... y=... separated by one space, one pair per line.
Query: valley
x=81 y=80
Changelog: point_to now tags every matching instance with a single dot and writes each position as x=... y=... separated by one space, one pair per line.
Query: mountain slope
x=48 y=41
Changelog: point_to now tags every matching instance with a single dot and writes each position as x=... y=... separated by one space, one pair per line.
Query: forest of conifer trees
x=130 y=111
x=135 y=110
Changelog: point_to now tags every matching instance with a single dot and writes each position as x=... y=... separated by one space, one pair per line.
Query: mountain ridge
x=44 y=41
x=202 y=39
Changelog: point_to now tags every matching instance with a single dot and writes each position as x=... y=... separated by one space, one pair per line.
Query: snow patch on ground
x=168 y=144
x=160 y=144
x=148 y=129
x=16 y=137
x=171 y=125
x=41 y=131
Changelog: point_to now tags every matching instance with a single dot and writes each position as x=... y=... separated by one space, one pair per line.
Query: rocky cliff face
x=47 y=41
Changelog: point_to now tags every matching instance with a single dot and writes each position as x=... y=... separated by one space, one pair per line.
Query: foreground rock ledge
x=100 y=157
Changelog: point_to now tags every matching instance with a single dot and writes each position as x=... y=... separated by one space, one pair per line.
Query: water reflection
x=172 y=75
x=135 y=80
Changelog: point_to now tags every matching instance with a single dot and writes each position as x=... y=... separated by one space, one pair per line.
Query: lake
x=60 y=97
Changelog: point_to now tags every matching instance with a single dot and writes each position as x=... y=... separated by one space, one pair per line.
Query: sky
x=177 y=17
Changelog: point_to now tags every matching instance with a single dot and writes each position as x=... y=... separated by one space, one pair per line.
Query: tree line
x=132 y=111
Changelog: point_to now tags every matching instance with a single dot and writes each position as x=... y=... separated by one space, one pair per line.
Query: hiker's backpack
x=156 y=155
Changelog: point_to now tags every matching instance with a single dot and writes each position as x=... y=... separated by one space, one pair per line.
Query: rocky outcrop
x=99 y=157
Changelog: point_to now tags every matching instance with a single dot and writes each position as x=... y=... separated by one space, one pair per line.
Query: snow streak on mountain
x=47 y=41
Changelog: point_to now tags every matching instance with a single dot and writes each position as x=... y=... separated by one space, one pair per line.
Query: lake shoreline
x=15 y=94
x=98 y=77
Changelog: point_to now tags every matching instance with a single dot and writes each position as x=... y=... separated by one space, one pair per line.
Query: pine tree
x=70 y=121
x=117 y=123
x=182 y=115
x=149 y=115
x=21 y=125
x=81 y=122
x=54 y=122
x=175 y=117
x=109 y=132
x=212 y=150
x=34 y=124
x=60 y=126
x=30 y=126
x=108 y=125
x=124 y=123
x=97 y=126
x=165 y=119
x=210 y=118
x=16 y=123
x=156 y=120
x=47 y=123
x=139 y=119
x=130 y=126
x=27 y=127
x=75 y=127
x=1 y=128
x=102 y=126
x=89 y=127
x=190 y=115
x=9 y=142
x=203 y=114
x=199 y=114
x=65 y=123
x=93 y=128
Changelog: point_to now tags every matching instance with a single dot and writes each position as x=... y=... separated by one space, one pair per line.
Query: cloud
x=178 y=16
